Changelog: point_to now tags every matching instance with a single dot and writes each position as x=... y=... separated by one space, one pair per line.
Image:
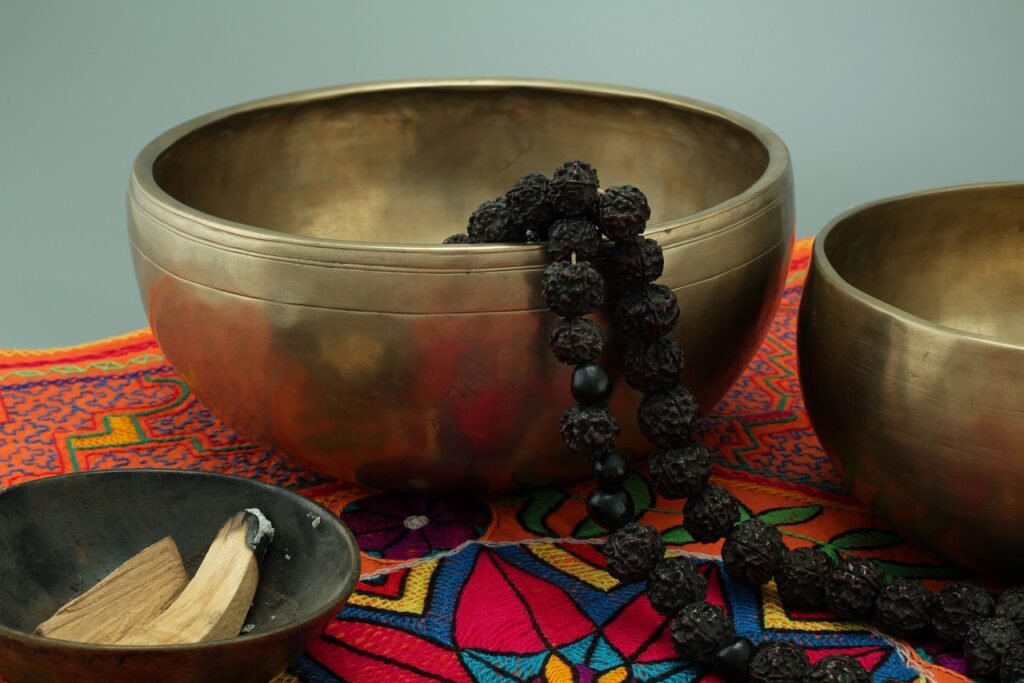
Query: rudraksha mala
x=574 y=216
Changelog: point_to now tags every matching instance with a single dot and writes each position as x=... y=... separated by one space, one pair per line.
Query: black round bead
x=493 y=221
x=1012 y=668
x=591 y=384
x=800 y=578
x=573 y=189
x=610 y=470
x=635 y=262
x=752 y=551
x=1011 y=605
x=777 y=661
x=588 y=430
x=458 y=238
x=533 y=238
x=903 y=607
x=710 y=514
x=529 y=201
x=572 y=289
x=610 y=509
x=668 y=418
x=986 y=642
x=838 y=669
x=673 y=584
x=957 y=605
x=852 y=586
x=680 y=472
x=576 y=340
x=653 y=365
x=648 y=313
x=623 y=211
x=573 y=236
x=732 y=662
x=700 y=630
x=632 y=552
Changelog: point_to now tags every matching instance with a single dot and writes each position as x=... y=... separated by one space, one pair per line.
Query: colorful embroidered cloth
x=459 y=588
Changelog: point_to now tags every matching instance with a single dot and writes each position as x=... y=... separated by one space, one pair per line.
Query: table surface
x=440 y=571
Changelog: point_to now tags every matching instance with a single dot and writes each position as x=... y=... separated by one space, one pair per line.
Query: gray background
x=874 y=98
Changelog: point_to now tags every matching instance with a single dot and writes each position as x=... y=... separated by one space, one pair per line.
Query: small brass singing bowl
x=911 y=347
x=289 y=256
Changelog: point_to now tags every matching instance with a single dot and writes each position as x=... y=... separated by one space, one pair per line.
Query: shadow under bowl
x=62 y=535
x=911 y=347
x=289 y=256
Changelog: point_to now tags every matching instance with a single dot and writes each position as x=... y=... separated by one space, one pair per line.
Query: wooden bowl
x=61 y=535
x=289 y=255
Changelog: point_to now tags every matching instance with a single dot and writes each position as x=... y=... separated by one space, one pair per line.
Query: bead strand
x=571 y=213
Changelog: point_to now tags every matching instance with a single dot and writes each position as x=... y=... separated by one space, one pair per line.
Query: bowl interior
x=62 y=535
x=409 y=165
x=951 y=257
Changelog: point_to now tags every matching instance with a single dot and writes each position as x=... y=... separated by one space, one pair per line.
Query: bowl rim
x=340 y=596
x=821 y=262
x=262 y=241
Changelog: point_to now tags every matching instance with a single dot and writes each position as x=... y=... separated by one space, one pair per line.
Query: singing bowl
x=289 y=255
x=61 y=535
x=911 y=348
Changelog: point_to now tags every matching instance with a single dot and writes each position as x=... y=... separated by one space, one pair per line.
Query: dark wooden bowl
x=63 y=534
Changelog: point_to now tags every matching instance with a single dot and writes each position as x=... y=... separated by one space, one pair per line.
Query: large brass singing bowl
x=911 y=346
x=288 y=254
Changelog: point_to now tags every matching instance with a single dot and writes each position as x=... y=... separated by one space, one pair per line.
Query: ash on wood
x=215 y=602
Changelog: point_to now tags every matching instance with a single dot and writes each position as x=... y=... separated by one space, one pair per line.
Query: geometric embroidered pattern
x=493 y=588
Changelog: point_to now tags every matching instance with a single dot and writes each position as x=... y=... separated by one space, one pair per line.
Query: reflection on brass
x=288 y=254
x=911 y=346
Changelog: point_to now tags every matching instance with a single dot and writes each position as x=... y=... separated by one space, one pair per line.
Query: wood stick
x=216 y=600
x=126 y=599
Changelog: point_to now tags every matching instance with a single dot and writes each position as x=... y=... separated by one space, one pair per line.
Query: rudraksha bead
x=800 y=578
x=986 y=642
x=573 y=189
x=852 y=586
x=646 y=314
x=956 y=606
x=710 y=514
x=838 y=669
x=903 y=607
x=573 y=236
x=576 y=340
x=680 y=472
x=493 y=221
x=673 y=584
x=777 y=661
x=700 y=630
x=529 y=201
x=752 y=551
x=668 y=418
x=635 y=262
x=572 y=289
x=632 y=552
x=623 y=212
x=588 y=430
x=1011 y=605
x=653 y=365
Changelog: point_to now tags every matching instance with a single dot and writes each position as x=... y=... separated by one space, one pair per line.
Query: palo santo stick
x=130 y=596
x=218 y=597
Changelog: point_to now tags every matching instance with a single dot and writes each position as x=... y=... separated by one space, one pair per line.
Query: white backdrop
x=873 y=97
